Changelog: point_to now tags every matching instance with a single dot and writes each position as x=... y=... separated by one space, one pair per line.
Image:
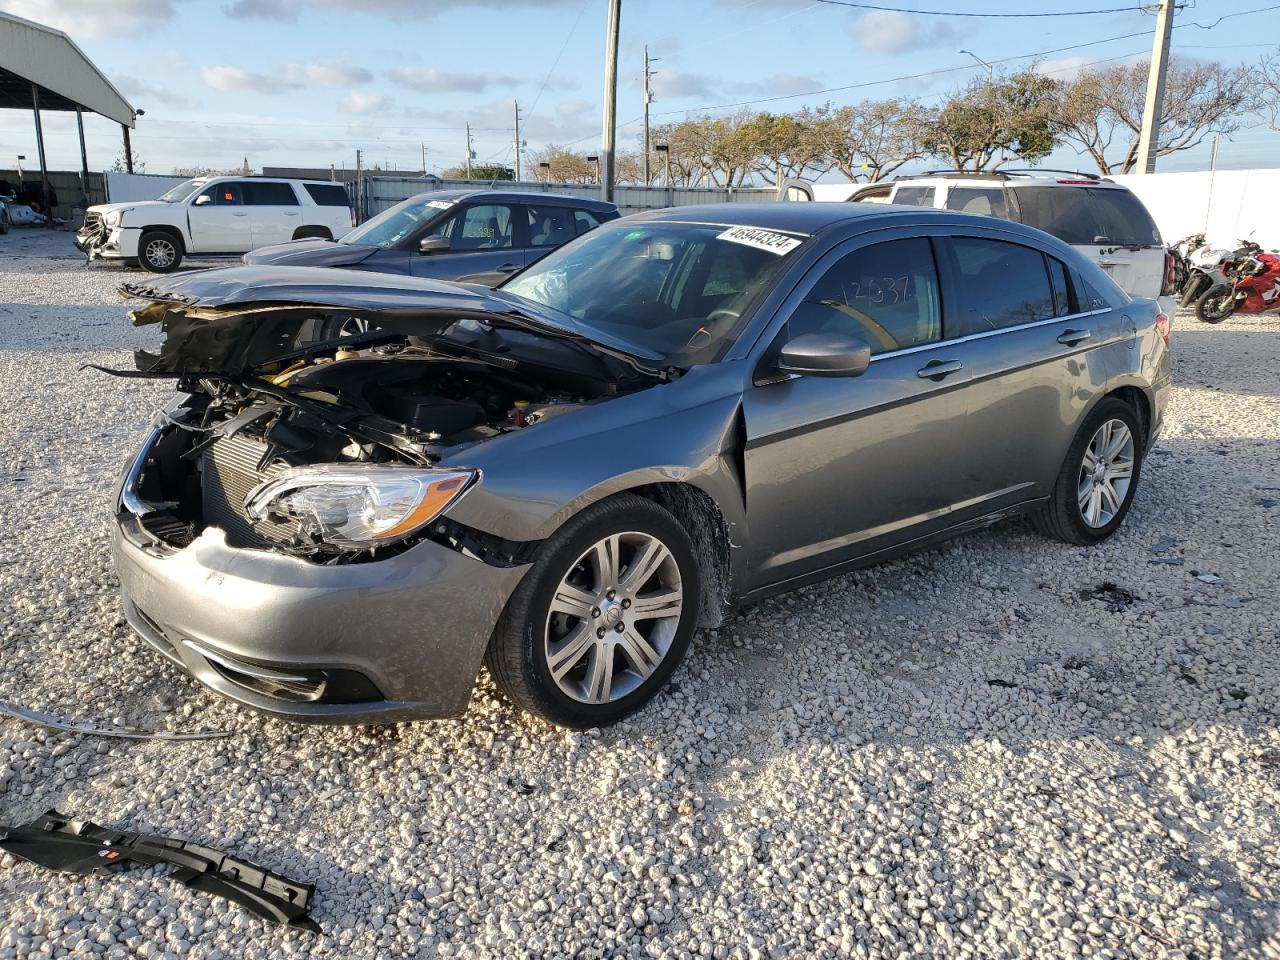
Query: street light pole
x=648 y=98
x=517 y=103
x=990 y=67
x=608 y=146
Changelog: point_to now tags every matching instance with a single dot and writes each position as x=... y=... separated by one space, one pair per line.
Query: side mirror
x=429 y=245
x=203 y=199
x=825 y=355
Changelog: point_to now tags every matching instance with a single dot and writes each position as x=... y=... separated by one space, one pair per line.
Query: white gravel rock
x=956 y=754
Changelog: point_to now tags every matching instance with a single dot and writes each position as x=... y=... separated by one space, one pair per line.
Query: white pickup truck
x=214 y=216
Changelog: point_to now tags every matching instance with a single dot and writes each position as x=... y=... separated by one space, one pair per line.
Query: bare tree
x=873 y=138
x=989 y=122
x=1268 y=79
x=1101 y=111
x=785 y=145
x=563 y=165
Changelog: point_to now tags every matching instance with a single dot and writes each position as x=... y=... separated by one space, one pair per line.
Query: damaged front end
x=347 y=449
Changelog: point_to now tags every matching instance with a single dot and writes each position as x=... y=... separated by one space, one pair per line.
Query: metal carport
x=43 y=69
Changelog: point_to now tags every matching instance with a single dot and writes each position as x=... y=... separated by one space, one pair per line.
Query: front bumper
x=251 y=624
x=108 y=243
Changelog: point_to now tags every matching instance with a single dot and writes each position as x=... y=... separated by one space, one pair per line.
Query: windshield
x=181 y=191
x=391 y=227
x=677 y=290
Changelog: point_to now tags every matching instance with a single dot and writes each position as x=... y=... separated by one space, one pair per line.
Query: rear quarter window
x=914 y=196
x=1087 y=215
x=328 y=195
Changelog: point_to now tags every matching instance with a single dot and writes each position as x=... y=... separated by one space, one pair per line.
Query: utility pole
x=648 y=97
x=424 y=159
x=608 y=147
x=469 y=151
x=1149 y=140
x=359 y=187
x=517 y=103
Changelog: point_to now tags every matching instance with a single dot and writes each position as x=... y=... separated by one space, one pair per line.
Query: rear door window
x=984 y=201
x=1087 y=215
x=326 y=195
x=1001 y=285
x=885 y=294
x=584 y=220
x=914 y=196
x=268 y=194
x=550 y=226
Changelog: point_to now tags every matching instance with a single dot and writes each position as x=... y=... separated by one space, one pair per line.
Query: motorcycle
x=1253 y=287
x=1205 y=269
x=1181 y=253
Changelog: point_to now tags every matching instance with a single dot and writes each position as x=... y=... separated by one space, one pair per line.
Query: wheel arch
x=312 y=231
x=168 y=228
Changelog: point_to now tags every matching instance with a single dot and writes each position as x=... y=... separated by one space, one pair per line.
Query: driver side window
x=486 y=226
x=226 y=194
x=885 y=294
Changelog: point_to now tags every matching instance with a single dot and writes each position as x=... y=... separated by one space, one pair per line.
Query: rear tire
x=631 y=627
x=1191 y=292
x=1215 y=304
x=1069 y=515
x=159 y=251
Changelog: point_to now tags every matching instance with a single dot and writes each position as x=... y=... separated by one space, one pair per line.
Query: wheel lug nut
x=600 y=634
x=595 y=611
x=610 y=595
x=626 y=604
x=620 y=627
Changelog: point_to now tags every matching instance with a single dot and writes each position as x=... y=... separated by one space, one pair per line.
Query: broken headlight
x=358 y=507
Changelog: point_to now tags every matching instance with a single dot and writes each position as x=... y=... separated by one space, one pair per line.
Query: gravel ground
x=963 y=753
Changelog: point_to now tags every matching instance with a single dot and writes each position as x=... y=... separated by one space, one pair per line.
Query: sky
x=307 y=82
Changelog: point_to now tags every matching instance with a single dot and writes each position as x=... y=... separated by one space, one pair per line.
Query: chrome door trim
x=987 y=333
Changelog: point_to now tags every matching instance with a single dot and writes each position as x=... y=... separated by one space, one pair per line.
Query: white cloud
x=143 y=94
x=445 y=81
x=572 y=108
x=890 y=31
x=361 y=103
x=677 y=83
x=82 y=19
x=289 y=10
x=284 y=77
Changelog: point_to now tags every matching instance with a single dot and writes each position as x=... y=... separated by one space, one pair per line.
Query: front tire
x=602 y=618
x=159 y=251
x=1216 y=304
x=1098 y=479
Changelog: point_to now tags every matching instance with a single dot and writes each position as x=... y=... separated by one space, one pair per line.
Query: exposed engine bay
x=331 y=449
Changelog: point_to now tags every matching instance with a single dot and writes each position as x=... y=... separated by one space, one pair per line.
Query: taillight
x=1162 y=326
x=353 y=215
x=1081 y=183
x=1170 y=275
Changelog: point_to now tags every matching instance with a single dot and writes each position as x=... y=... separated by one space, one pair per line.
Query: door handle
x=237 y=213
x=291 y=213
x=937 y=369
x=1071 y=337
x=507 y=268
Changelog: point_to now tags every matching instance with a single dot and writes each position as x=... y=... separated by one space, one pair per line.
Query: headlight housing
x=358 y=506
x=113 y=217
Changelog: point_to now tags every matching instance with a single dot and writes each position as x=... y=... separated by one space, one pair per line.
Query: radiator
x=230 y=474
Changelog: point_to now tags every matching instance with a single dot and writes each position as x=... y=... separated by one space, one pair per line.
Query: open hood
x=227 y=322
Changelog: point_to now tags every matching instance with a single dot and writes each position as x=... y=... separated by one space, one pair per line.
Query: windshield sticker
x=778 y=243
x=440 y=204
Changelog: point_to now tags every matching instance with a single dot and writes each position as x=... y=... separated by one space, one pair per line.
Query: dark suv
x=480 y=235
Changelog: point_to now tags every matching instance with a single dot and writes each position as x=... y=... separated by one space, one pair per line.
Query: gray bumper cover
x=415 y=624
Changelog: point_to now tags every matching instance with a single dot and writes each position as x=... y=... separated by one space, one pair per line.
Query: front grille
x=93 y=220
x=230 y=474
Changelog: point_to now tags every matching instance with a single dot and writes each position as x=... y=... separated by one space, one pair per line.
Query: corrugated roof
x=33 y=53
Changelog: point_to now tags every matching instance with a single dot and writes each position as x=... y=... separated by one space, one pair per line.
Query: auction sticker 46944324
x=770 y=240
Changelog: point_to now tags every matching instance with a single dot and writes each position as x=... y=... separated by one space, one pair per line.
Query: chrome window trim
x=984 y=334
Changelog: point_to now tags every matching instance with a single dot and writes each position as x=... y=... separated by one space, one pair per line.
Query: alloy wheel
x=613 y=618
x=1106 y=473
x=161 y=253
x=352 y=326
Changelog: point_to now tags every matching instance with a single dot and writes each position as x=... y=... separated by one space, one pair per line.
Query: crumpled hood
x=105 y=208
x=225 y=322
x=309 y=253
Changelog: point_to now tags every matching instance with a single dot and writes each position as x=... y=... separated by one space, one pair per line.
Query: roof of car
x=464 y=193
x=796 y=217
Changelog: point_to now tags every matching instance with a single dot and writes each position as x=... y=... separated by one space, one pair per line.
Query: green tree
x=480 y=171
x=872 y=139
x=989 y=122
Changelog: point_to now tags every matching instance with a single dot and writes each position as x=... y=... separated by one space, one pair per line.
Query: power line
x=992 y=16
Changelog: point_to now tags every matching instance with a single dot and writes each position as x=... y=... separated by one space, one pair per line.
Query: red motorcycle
x=1254 y=288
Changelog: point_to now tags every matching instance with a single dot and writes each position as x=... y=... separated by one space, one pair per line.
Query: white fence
x=124 y=187
x=1224 y=205
x=384 y=192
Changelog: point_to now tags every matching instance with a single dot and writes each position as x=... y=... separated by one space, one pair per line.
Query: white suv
x=1103 y=220
x=214 y=216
